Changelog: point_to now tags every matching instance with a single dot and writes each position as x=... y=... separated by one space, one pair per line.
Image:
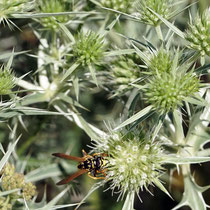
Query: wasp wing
x=71 y=177
x=69 y=157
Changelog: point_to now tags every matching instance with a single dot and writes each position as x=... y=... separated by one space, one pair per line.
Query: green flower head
x=123 y=73
x=10 y=7
x=89 y=48
x=53 y=6
x=160 y=62
x=198 y=33
x=120 y=5
x=133 y=163
x=162 y=7
x=7 y=81
x=167 y=91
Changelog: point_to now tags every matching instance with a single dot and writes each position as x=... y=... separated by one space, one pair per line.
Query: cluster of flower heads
x=120 y=5
x=12 y=180
x=132 y=163
x=162 y=7
x=89 y=48
x=198 y=33
x=7 y=80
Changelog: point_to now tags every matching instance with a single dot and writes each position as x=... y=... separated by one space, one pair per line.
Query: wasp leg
x=95 y=177
x=100 y=154
x=102 y=171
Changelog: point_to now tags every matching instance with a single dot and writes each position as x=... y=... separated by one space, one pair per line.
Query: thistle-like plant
x=53 y=6
x=160 y=62
x=120 y=5
x=171 y=85
x=10 y=7
x=162 y=7
x=158 y=85
x=7 y=80
x=89 y=48
x=133 y=162
x=124 y=72
x=12 y=181
x=198 y=33
x=165 y=92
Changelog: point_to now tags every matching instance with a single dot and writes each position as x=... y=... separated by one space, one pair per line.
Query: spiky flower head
x=10 y=7
x=120 y=5
x=162 y=7
x=89 y=48
x=198 y=33
x=160 y=62
x=124 y=72
x=52 y=6
x=7 y=80
x=133 y=162
x=167 y=91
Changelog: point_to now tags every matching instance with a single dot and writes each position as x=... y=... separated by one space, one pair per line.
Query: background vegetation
x=77 y=73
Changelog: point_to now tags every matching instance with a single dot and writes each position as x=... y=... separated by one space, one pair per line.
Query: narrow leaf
x=171 y=26
x=135 y=117
x=69 y=71
x=8 y=153
x=93 y=73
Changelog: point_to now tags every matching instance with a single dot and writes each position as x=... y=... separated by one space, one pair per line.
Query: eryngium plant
x=120 y=5
x=52 y=6
x=168 y=91
x=160 y=62
x=10 y=7
x=12 y=180
x=162 y=7
x=198 y=33
x=89 y=48
x=124 y=72
x=171 y=84
x=7 y=80
x=133 y=162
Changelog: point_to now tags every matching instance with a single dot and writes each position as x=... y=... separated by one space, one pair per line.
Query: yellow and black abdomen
x=98 y=163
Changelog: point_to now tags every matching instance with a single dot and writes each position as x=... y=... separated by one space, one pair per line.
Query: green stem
x=159 y=32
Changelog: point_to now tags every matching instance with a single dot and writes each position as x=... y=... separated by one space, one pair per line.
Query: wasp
x=93 y=165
